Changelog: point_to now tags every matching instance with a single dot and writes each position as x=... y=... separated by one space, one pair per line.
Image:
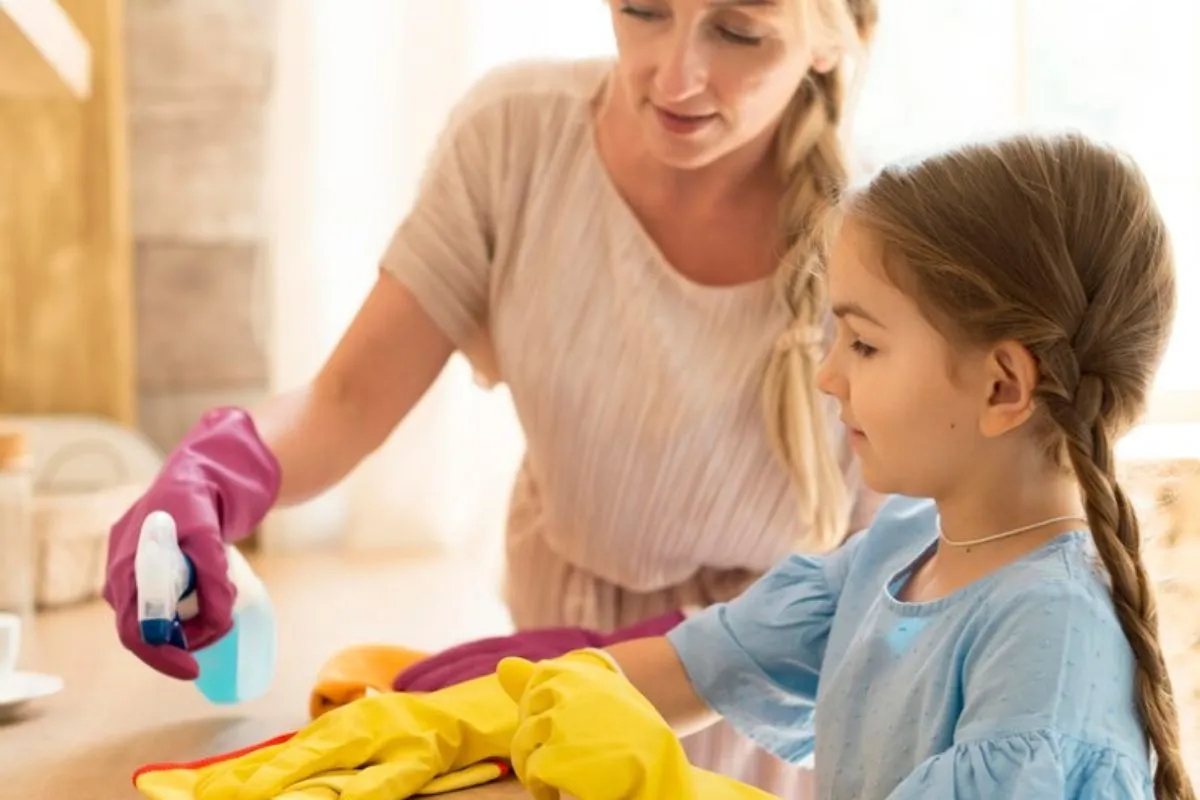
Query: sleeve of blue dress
x=756 y=659
x=1048 y=707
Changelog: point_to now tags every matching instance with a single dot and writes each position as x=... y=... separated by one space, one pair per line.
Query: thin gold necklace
x=1005 y=534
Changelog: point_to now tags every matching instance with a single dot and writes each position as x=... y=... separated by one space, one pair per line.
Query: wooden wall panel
x=198 y=314
x=66 y=292
x=200 y=82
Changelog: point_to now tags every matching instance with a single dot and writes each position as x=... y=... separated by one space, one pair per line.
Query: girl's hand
x=583 y=730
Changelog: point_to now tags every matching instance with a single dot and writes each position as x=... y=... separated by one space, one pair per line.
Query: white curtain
x=363 y=89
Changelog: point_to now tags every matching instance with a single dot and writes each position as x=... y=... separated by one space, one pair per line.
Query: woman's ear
x=826 y=60
x=1012 y=374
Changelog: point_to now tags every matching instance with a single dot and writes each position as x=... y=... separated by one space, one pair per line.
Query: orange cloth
x=356 y=671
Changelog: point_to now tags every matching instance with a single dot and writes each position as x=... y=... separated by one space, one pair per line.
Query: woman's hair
x=811 y=161
x=1054 y=242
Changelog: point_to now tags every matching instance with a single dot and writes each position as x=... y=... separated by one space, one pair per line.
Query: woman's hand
x=216 y=485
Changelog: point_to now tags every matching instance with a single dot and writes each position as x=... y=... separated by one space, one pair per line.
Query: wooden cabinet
x=66 y=288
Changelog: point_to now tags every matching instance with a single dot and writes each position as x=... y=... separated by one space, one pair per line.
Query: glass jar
x=18 y=553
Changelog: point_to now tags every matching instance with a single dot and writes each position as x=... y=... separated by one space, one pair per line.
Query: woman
x=607 y=240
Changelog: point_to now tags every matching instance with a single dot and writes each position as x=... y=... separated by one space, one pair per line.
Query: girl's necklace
x=1005 y=534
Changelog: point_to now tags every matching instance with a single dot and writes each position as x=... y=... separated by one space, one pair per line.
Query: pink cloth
x=478 y=658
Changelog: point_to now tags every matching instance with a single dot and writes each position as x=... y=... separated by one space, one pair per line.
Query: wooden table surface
x=115 y=714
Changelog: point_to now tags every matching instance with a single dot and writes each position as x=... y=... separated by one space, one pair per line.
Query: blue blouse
x=1020 y=685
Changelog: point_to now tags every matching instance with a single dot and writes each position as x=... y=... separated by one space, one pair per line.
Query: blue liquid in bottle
x=239 y=666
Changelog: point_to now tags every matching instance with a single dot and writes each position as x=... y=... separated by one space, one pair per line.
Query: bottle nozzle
x=164 y=576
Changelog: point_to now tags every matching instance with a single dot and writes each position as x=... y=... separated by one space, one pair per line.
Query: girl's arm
x=753 y=661
x=655 y=670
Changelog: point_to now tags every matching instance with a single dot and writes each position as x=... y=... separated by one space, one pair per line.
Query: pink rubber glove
x=218 y=484
x=478 y=658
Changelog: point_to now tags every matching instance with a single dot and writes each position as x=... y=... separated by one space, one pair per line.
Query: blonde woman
x=629 y=246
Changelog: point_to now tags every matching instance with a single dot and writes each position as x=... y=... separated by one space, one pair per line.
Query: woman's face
x=706 y=77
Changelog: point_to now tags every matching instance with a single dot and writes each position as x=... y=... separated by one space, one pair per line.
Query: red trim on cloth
x=163 y=766
x=504 y=767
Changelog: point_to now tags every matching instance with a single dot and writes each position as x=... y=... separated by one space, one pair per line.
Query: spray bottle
x=240 y=665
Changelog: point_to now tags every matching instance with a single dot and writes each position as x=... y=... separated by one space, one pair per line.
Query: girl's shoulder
x=902 y=529
x=1043 y=648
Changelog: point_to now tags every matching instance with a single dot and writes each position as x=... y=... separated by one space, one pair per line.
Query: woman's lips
x=683 y=124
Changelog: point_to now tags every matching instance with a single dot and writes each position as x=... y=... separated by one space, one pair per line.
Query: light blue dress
x=1018 y=686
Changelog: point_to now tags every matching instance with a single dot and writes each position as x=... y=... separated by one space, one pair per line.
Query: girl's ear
x=1012 y=375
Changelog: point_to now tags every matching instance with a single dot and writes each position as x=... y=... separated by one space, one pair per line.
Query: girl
x=1001 y=311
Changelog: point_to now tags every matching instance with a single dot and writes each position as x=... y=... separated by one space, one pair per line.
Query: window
x=943 y=71
x=521 y=29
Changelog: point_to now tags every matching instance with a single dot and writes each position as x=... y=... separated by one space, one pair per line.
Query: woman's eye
x=740 y=38
x=640 y=13
x=727 y=33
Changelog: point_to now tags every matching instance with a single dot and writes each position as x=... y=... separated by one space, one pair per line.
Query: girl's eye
x=862 y=348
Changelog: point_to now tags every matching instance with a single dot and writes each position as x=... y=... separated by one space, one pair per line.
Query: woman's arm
x=655 y=670
x=384 y=363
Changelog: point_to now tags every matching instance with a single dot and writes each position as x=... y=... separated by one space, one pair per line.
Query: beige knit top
x=638 y=390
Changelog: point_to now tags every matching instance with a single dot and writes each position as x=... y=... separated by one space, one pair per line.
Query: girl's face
x=917 y=409
x=706 y=77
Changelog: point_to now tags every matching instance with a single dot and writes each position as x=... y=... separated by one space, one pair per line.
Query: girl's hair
x=813 y=167
x=1054 y=242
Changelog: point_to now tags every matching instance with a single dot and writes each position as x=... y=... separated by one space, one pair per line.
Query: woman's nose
x=682 y=69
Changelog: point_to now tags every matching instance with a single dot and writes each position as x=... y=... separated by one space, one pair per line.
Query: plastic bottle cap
x=14 y=447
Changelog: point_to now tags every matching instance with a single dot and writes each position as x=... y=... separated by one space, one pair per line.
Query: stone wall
x=200 y=77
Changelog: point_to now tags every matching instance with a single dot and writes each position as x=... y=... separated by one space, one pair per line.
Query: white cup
x=10 y=643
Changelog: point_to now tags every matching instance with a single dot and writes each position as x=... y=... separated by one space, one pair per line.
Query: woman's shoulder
x=538 y=91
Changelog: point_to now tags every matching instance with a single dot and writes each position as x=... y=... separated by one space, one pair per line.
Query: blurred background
x=194 y=195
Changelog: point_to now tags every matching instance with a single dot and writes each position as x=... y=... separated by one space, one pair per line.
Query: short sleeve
x=442 y=250
x=756 y=659
x=1032 y=764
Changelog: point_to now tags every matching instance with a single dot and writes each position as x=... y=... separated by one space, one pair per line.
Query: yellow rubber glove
x=587 y=732
x=396 y=744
